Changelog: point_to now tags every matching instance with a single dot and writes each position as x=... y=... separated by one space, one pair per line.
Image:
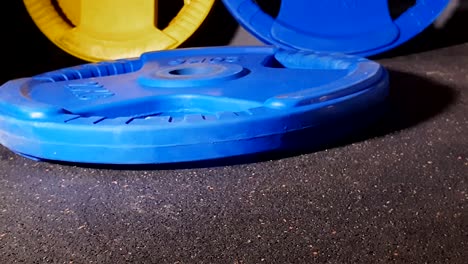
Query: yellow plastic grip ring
x=114 y=29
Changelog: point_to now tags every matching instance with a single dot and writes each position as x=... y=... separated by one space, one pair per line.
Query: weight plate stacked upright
x=114 y=29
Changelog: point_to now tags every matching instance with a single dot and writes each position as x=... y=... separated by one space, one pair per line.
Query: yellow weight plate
x=99 y=30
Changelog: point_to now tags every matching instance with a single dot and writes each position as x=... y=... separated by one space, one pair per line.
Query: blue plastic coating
x=190 y=105
x=359 y=27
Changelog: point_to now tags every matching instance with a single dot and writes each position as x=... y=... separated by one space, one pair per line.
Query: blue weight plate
x=359 y=27
x=188 y=105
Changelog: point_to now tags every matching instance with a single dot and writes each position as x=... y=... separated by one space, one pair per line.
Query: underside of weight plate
x=189 y=105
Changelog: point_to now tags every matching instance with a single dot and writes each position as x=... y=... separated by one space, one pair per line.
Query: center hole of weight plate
x=166 y=11
x=398 y=7
x=271 y=7
x=196 y=74
x=199 y=70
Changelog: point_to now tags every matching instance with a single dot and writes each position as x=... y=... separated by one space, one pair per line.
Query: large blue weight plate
x=189 y=105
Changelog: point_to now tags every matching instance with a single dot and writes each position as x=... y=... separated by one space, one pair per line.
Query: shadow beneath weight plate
x=412 y=100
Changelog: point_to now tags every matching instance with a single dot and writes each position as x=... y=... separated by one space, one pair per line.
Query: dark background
x=26 y=51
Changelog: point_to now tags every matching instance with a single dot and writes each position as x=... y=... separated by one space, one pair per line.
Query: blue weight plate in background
x=358 y=27
x=189 y=105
